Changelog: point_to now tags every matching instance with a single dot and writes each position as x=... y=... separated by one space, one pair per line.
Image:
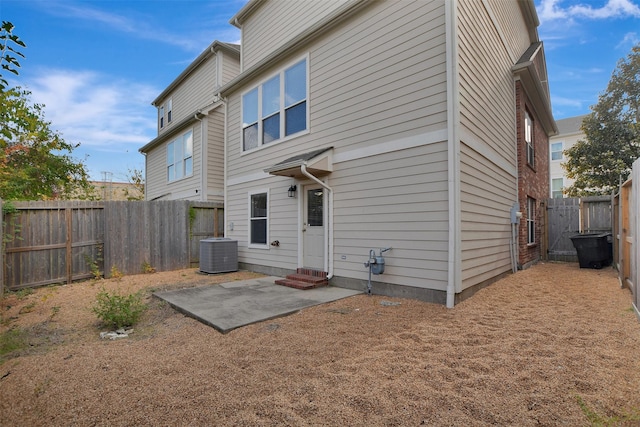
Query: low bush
x=118 y=311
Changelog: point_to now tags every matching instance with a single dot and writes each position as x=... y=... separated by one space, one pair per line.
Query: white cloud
x=102 y=113
x=553 y=9
x=629 y=40
x=566 y=102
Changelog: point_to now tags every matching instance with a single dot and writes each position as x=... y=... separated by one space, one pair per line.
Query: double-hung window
x=531 y=220
x=277 y=108
x=556 y=188
x=556 y=151
x=169 y=110
x=180 y=157
x=528 y=138
x=161 y=116
x=259 y=219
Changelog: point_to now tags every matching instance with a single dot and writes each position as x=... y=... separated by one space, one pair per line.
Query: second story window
x=275 y=109
x=169 y=110
x=528 y=139
x=180 y=157
x=556 y=151
x=161 y=117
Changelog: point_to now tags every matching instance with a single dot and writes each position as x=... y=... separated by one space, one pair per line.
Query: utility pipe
x=328 y=216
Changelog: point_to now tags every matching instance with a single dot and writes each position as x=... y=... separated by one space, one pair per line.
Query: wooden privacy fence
x=627 y=253
x=566 y=217
x=59 y=242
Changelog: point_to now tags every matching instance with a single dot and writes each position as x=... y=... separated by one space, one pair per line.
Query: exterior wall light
x=292 y=191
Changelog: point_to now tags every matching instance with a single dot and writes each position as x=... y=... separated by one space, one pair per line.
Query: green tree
x=9 y=54
x=136 y=179
x=612 y=134
x=35 y=161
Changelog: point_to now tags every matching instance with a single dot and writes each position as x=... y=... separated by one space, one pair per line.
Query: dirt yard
x=552 y=345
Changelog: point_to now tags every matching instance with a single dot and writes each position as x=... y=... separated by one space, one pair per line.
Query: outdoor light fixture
x=292 y=191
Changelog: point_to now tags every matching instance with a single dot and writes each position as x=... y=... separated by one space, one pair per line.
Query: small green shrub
x=118 y=311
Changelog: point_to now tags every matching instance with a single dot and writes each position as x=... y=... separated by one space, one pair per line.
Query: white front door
x=313 y=227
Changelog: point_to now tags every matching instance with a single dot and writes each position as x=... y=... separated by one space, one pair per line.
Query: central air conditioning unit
x=218 y=255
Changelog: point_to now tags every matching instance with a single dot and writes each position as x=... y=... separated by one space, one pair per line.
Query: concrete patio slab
x=228 y=306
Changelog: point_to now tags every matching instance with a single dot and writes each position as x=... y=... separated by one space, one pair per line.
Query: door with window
x=313 y=227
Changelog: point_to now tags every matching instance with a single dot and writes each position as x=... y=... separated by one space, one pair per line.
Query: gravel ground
x=552 y=345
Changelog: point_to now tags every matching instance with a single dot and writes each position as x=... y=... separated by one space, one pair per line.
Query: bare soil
x=551 y=345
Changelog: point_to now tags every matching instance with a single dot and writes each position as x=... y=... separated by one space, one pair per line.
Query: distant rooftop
x=570 y=124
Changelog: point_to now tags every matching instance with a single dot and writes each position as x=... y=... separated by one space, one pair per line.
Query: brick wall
x=532 y=181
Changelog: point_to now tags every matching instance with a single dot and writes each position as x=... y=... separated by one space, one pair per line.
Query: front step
x=305 y=278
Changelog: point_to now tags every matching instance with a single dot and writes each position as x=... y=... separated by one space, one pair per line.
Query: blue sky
x=97 y=65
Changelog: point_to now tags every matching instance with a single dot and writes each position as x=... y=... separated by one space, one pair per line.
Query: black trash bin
x=594 y=249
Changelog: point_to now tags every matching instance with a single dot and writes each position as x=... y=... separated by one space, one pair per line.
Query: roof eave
x=207 y=53
x=532 y=85
x=336 y=17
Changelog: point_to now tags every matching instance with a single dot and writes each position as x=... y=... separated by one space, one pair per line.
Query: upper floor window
x=276 y=108
x=161 y=116
x=169 y=110
x=556 y=151
x=528 y=138
x=180 y=157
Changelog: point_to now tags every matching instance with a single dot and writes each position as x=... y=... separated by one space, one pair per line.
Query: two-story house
x=569 y=132
x=186 y=159
x=420 y=126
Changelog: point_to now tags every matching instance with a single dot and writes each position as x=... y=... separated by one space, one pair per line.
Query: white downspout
x=203 y=159
x=224 y=179
x=453 y=148
x=328 y=218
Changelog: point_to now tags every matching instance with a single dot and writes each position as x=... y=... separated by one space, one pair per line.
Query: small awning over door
x=317 y=162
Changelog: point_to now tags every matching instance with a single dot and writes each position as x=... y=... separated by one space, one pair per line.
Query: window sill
x=273 y=143
x=254 y=246
x=175 y=181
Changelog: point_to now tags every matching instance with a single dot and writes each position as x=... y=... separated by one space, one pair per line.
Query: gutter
x=328 y=217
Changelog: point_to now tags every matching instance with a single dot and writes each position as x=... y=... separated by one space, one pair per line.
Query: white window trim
x=561 y=187
x=256 y=245
x=184 y=176
x=551 y=151
x=161 y=117
x=529 y=139
x=531 y=220
x=169 y=111
x=259 y=86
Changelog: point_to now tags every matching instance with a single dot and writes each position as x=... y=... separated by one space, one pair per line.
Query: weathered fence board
x=566 y=217
x=58 y=242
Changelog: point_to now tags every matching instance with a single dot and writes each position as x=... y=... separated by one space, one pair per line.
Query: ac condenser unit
x=218 y=255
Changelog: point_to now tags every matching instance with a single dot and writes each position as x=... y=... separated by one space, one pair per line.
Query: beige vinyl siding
x=230 y=67
x=276 y=22
x=375 y=81
x=487 y=97
x=508 y=15
x=487 y=194
x=157 y=183
x=399 y=200
x=282 y=223
x=379 y=78
x=487 y=115
x=215 y=156
x=194 y=93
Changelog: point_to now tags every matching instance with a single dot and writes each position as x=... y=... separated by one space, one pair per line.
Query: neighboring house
x=569 y=133
x=109 y=190
x=186 y=159
x=421 y=126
